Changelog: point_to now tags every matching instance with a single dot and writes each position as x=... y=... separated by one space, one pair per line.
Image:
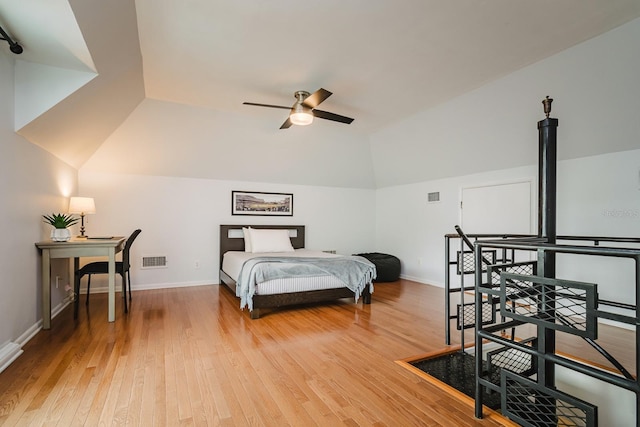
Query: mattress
x=233 y=260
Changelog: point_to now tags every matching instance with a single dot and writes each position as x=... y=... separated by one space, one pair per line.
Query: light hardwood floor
x=189 y=356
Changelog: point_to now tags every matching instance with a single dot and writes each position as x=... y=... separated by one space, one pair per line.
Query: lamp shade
x=301 y=115
x=82 y=205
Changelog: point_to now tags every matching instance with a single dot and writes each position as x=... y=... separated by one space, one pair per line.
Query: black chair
x=102 y=267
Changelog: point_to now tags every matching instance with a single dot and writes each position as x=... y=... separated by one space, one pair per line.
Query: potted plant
x=60 y=223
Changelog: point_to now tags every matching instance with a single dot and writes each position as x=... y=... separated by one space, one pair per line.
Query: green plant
x=60 y=220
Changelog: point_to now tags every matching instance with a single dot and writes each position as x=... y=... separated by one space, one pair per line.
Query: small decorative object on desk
x=60 y=222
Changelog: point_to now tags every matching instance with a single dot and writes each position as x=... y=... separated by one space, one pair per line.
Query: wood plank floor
x=189 y=356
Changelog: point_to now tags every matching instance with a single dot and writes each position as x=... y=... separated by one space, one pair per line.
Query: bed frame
x=231 y=239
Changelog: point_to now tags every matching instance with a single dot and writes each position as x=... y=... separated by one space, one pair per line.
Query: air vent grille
x=433 y=197
x=154 y=261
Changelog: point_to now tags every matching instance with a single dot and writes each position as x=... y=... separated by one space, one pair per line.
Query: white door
x=504 y=208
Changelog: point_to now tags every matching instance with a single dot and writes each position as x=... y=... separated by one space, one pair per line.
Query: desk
x=76 y=248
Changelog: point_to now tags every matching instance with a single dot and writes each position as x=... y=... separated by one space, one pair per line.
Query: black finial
x=547 y=105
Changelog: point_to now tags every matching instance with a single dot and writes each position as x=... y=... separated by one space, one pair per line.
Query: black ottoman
x=387 y=266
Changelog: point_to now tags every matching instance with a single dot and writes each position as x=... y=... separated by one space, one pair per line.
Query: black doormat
x=458 y=370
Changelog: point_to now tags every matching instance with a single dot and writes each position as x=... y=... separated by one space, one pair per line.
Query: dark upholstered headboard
x=231 y=237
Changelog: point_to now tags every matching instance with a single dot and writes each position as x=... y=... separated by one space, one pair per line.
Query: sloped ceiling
x=95 y=37
x=384 y=60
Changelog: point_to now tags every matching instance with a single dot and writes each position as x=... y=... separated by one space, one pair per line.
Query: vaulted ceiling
x=383 y=60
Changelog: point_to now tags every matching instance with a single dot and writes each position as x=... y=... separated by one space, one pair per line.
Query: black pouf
x=387 y=266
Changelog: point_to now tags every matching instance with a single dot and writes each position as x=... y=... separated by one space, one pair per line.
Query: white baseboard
x=8 y=353
x=617 y=324
x=29 y=333
x=11 y=350
x=105 y=289
x=422 y=280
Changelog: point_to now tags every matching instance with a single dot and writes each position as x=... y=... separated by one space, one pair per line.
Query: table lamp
x=82 y=206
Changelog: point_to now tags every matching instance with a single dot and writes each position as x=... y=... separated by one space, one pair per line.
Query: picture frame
x=261 y=203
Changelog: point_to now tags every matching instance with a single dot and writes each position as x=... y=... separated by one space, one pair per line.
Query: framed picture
x=267 y=204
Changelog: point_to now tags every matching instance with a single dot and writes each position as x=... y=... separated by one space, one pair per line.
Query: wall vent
x=154 y=261
x=433 y=197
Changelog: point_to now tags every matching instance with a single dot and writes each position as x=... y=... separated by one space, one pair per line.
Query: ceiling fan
x=304 y=109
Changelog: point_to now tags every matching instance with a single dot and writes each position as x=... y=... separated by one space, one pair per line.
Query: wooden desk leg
x=76 y=286
x=46 y=289
x=112 y=285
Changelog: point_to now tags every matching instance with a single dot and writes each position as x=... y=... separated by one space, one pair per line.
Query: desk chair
x=102 y=267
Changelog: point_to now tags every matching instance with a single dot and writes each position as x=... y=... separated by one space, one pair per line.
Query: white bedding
x=233 y=260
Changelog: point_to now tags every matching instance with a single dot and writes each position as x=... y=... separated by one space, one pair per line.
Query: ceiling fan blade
x=331 y=116
x=287 y=124
x=266 y=105
x=313 y=100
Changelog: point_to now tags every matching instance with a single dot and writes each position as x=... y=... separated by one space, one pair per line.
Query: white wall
x=596 y=97
x=600 y=196
x=597 y=102
x=180 y=218
x=40 y=87
x=413 y=230
x=597 y=196
x=33 y=183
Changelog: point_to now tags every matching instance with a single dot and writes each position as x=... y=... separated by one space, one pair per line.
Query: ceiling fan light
x=301 y=115
x=301 y=118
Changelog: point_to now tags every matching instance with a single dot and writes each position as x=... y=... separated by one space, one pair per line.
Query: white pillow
x=247 y=239
x=267 y=240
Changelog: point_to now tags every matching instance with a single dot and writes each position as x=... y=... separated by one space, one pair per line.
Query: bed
x=232 y=243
